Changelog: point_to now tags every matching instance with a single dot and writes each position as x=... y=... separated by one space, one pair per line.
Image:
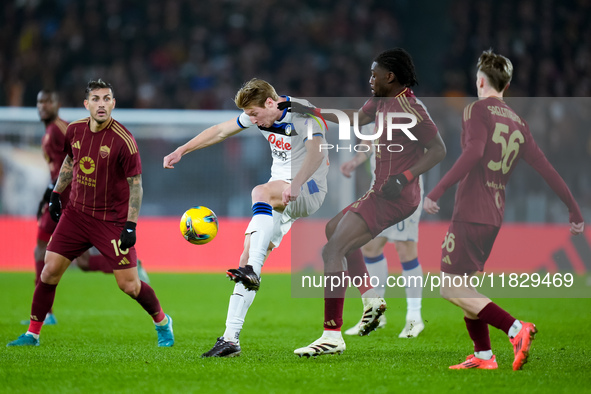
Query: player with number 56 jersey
x=494 y=138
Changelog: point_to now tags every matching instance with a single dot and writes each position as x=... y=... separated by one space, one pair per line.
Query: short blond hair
x=497 y=68
x=254 y=93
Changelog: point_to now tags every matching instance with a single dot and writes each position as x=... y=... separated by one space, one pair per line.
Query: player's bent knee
x=260 y=193
x=446 y=293
x=130 y=288
x=331 y=226
x=39 y=253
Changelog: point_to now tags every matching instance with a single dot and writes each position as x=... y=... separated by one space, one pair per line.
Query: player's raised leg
x=228 y=345
x=265 y=198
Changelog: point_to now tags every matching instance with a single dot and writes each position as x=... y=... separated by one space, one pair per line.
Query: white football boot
x=331 y=342
x=412 y=329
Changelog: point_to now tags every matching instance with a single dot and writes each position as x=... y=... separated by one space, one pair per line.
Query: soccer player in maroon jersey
x=494 y=138
x=393 y=197
x=104 y=169
x=52 y=145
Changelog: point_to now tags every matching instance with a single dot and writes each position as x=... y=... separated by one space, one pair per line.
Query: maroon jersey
x=52 y=145
x=493 y=140
x=102 y=162
x=395 y=160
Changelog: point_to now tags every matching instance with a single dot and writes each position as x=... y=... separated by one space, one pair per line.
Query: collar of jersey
x=285 y=110
x=401 y=93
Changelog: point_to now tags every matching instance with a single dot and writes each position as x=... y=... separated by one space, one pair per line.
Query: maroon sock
x=99 y=263
x=358 y=271
x=42 y=301
x=478 y=331
x=39 y=264
x=334 y=299
x=497 y=317
x=148 y=300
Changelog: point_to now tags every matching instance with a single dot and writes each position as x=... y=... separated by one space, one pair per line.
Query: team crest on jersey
x=288 y=129
x=104 y=151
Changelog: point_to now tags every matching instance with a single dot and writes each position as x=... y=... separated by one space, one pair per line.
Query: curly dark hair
x=399 y=62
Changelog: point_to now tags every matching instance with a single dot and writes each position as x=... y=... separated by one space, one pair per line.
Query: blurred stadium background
x=175 y=66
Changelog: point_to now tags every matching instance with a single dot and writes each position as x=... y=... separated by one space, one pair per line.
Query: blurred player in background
x=52 y=145
x=493 y=139
x=296 y=189
x=393 y=197
x=103 y=167
x=405 y=236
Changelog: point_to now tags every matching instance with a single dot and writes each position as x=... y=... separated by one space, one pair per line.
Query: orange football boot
x=474 y=362
x=522 y=343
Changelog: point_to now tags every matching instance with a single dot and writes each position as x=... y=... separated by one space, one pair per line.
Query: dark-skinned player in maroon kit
x=393 y=197
x=494 y=138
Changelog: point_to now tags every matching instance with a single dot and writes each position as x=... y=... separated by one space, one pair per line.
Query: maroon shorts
x=379 y=213
x=77 y=231
x=466 y=247
x=45 y=226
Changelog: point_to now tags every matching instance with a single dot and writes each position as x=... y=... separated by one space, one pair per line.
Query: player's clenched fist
x=55 y=206
x=128 y=236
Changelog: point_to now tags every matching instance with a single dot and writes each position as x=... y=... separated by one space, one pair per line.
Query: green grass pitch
x=105 y=342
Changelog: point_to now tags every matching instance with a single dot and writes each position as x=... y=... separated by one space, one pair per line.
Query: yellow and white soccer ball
x=199 y=225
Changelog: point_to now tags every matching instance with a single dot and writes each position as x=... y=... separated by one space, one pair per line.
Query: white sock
x=371 y=293
x=36 y=336
x=240 y=301
x=261 y=227
x=332 y=334
x=515 y=328
x=484 y=354
x=377 y=267
x=162 y=322
x=413 y=274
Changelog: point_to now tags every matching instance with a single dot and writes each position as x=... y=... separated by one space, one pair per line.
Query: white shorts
x=408 y=229
x=308 y=202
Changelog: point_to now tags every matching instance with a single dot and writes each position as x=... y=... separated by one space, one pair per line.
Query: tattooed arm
x=65 y=176
x=136 y=193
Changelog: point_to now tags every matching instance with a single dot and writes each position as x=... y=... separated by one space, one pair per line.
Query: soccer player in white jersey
x=297 y=188
x=405 y=236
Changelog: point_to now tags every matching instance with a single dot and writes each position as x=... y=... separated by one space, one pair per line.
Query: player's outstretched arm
x=471 y=155
x=313 y=160
x=207 y=137
x=540 y=163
